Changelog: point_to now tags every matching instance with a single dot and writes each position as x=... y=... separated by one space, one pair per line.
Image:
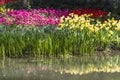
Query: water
x=73 y=68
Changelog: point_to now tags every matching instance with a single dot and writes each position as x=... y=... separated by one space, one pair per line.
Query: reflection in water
x=74 y=68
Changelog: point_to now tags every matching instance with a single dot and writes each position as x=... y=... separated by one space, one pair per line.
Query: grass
x=49 y=41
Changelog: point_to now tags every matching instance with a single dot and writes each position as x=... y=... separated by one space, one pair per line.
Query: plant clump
x=55 y=32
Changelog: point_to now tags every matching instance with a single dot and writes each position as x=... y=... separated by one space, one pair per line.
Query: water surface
x=73 y=68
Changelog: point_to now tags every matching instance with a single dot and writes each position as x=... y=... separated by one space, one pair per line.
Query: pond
x=72 y=68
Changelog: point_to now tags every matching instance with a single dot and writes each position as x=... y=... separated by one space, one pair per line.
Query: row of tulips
x=96 y=13
x=6 y=1
x=42 y=17
x=34 y=17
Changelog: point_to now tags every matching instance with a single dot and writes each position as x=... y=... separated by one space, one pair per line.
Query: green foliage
x=49 y=41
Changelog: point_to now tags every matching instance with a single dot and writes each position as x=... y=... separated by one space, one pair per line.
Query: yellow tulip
x=117 y=28
x=96 y=29
x=114 y=23
x=2 y=10
x=107 y=28
x=110 y=32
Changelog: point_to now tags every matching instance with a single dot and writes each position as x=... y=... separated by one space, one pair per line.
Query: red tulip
x=96 y=12
x=5 y=1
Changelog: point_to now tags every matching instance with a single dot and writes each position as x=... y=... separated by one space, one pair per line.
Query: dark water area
x=86 y=68
x=51 y=75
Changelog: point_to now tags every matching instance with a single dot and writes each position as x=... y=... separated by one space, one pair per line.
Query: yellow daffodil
x=74 y=21
x=110 y=32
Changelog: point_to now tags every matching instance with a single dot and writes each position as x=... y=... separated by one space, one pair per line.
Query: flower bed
x=40 y=17
x=96 y=13
x=56 y=32
x=6 y=1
